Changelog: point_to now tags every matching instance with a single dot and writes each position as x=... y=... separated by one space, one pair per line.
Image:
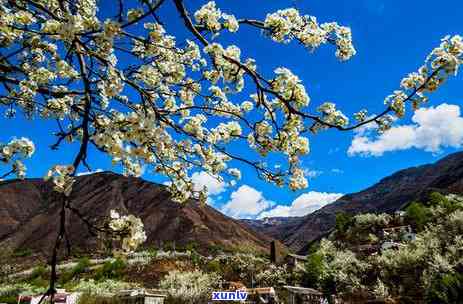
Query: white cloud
x=278 y=211
x=337 y=171
x=433 y=128
x=246 y=202
x=304 y=204
x=201 y=179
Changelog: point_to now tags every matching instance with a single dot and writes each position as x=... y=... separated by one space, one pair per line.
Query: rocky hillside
x=29 y=215
x=275 y=227
x=388 y=195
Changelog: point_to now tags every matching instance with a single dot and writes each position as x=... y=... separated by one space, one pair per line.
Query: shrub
x=418 y=215
x=213 y=266
x=314 y=269
x=39 y=272
x=192 y=246
x=189 y=287
x=272 y=276
x=22 y=252
x=13 y=290
x=446 y=289
x=435 y=199
x=111 y=270
x=343 y=221
x=91 y=287
x=9 y=299
x=82 y=265
x=93 y=299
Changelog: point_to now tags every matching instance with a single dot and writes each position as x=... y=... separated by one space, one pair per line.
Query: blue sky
x=392 y=39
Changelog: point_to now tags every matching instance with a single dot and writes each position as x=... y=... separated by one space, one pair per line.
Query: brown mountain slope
x=388 y=195
x=275 y=227
x=29 y=215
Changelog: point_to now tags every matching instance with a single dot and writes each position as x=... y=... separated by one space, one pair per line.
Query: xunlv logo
x=229 y=295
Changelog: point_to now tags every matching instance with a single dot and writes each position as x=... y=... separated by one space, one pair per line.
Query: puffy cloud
x=304 y=204
x=201 y=179
x=433 y=128
x=278 y=211
x=337 y=171
x=246 y=202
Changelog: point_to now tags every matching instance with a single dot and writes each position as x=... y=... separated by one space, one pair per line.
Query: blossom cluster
x=441 y=63
x=286 y=25
x=130 y=228
x=102 y=288
x=19 y=289
x=61 y=176
x=191 y=287
x=171 y=106
x=213 y=19
x=14 y=151
x=272 y=276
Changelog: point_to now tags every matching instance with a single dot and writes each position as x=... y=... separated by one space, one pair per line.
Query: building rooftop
x=303 y=290
x=298 y=257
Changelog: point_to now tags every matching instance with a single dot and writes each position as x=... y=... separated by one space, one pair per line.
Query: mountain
x=388 y=195
x=29 y=215
x=275 y=227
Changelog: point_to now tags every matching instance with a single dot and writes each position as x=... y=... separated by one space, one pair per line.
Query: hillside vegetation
x=376 y=255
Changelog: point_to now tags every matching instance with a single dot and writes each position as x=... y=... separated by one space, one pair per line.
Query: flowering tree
x=171 y=104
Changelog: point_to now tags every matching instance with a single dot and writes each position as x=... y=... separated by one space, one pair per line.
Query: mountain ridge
x=391 y=193
x=29 y=215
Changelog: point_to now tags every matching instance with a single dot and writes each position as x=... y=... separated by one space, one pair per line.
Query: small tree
x=343 y=221
x=314 y=269
x=418 y=214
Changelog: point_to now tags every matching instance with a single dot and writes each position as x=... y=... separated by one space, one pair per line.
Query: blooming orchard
x=131 y=89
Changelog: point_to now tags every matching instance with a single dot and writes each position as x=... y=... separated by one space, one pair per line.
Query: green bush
x=314 y=269
x=22 y=252
x=215 y=249
x=435 y=199
x=418 y=215
x=8 y=299
x=447 y=289
x=213 y=266
x=195 y=258
x=192 y=246
x=82 y=265
x=343 y=221
x=111 y=270
x=153 y=251
x=93 y=299
x=39 y=272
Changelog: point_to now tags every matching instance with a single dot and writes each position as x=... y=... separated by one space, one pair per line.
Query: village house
x=264 y=295
x=61 y=297
x=399 y=233
x=302 y=295
x=295 y=261
x=141 y=296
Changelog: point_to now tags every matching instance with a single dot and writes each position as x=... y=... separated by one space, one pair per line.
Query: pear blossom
x=130 y=228
x=62 y=179
x=14 y=152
